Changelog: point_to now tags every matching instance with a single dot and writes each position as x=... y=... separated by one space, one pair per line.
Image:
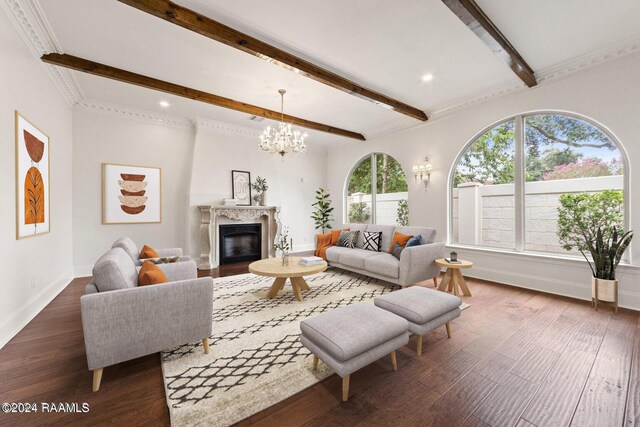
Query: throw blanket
x=323 y=242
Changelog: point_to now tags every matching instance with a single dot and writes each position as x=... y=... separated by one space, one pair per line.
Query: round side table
x=453 y=280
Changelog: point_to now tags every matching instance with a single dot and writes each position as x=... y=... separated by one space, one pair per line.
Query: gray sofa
x=132 y=250
x=416 y=263
x=122 y=321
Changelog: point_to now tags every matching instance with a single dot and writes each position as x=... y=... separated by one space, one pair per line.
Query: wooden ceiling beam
x=477 y=21
x=97 y=69
x=207 y=27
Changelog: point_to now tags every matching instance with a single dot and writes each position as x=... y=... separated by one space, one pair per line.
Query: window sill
x=538 y=256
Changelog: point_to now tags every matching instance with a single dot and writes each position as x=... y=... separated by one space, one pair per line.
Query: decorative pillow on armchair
x=372 y=240
x=348 y=239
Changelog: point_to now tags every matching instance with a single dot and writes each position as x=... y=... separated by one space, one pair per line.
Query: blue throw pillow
x=414 y=241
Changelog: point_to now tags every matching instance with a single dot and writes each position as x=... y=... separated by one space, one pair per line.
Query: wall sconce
x=422 y=172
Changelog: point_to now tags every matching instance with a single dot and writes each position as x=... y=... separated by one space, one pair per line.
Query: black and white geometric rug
x=256 y=359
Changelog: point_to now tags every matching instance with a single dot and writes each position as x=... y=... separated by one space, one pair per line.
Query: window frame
x=519 y=184
x=374 y=186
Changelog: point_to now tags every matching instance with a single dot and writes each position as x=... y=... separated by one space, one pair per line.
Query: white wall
x=292 y=181
x=608 y=94
x=103 y=138
x=35 y=269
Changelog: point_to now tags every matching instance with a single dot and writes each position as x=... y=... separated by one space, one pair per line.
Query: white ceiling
x=384 y=45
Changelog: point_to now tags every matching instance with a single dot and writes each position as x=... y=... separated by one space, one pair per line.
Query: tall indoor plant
x=322 y=216
x=593 y=223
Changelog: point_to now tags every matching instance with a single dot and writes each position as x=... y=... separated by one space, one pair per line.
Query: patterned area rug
x=256 y=359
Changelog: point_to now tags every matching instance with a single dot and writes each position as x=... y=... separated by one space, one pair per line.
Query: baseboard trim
x=630 y=300
x=83 y=271
x=16 y=321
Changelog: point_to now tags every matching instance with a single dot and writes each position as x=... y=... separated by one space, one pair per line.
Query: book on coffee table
x=450 y=261
x=310 y=260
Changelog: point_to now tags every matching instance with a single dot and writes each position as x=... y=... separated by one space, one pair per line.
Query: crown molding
x=122 y=111
x=31 y=24
x=602 y=56
x=545 y=76
x=225 y=128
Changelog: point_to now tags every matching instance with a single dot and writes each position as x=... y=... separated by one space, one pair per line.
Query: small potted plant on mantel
x=260 y=187
x=593 y=223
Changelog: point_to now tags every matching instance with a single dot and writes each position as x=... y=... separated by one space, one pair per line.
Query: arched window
x=509 y=183
x=376 y=192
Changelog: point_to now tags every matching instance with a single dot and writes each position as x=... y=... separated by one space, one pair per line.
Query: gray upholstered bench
x=350 y=338
x=425 y=309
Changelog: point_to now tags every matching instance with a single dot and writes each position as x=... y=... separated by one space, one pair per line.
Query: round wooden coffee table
x=453 y=280
x=273 y=267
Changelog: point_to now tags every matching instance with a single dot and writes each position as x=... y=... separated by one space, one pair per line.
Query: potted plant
x=322 y=215
x=283 y=245
x=592 y=223
x=260 y=187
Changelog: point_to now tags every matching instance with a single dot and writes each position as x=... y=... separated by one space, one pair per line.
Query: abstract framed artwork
x=241 y=187
x=33 y=216
x=131 y=194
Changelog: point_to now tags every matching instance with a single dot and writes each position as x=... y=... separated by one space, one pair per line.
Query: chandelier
x=282 y=139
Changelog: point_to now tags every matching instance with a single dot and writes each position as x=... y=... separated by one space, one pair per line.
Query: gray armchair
x=132 y=250
x=122 y=321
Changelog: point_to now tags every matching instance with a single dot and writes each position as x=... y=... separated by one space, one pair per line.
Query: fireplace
x=240 y=242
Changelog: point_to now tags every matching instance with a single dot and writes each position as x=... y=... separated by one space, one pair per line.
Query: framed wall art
x=241 y=187
x=131 y=194
x=33 y=201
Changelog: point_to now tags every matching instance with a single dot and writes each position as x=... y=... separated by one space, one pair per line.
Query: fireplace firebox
x=240 y=242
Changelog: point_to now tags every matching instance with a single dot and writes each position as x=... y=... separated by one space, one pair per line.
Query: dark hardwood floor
x=516 y=357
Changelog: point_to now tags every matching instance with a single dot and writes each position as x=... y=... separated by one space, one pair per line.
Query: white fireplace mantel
x=212 y=216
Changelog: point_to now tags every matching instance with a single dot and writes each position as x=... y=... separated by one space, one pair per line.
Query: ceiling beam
x=478 y=22
x=207 y=27
x=86 y=66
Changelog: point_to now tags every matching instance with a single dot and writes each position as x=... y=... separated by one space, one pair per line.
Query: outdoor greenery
x=390 y=176
x=554 y=149
x=359 y=212
x=322 y=216
x=593 y=223
x=403 y=212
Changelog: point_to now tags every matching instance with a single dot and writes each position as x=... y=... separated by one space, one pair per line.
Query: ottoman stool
x=425 y=309
x=350 y=338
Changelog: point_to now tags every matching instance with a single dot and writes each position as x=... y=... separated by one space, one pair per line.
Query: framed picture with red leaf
x=32 y=179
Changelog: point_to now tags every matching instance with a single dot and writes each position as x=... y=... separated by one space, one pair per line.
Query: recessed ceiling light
x=427 y=77
x=164 y=104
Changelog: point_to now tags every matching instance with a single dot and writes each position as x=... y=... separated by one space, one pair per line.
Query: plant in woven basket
x=322 y=216
x=593 y=223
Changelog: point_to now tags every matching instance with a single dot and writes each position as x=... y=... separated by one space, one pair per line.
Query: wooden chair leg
x=419 y=346
x=97 y=378
x=205 y=345
x=448 y=326
x=345 y=388
x=435 y=281
x=394 y=361
x=315 y=362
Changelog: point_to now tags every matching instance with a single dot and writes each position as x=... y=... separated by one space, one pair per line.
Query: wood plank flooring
x=517 y=357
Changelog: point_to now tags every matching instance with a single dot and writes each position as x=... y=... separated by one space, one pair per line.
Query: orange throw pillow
x=400 y=239
x=151 y=274
x=148 y=252
x=335 y=234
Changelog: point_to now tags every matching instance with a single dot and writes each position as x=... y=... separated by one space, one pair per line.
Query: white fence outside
x=386 y=206
x=485 y=214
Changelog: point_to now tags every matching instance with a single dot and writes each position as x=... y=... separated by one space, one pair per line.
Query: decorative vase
x=261 y=199
x=607 y=290
x=285 y=258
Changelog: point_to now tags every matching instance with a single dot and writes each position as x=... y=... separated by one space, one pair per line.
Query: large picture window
x=508 y=184
x=376 y=192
